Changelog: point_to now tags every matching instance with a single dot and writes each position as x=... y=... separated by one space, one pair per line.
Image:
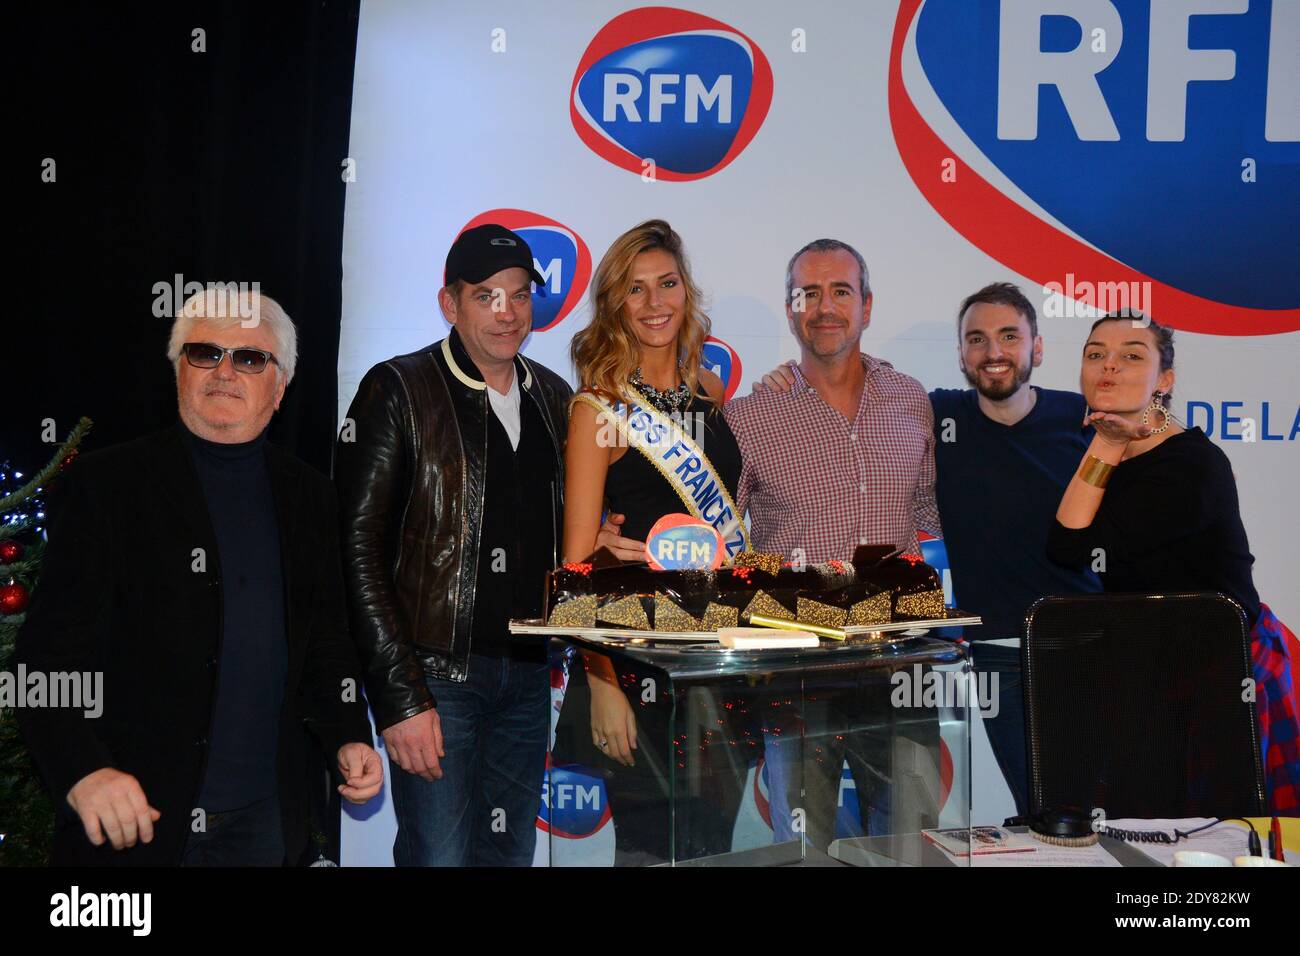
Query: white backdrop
x=460 y=110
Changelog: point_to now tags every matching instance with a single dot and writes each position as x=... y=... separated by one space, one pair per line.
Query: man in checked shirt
x=845 y=457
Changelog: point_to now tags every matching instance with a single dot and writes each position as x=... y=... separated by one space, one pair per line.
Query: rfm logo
x=559 y=254
x=670 y=94
x=574 y=804
x=723 y=361
x=1150 y=145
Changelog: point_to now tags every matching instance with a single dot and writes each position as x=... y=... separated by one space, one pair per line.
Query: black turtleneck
x=253 y=660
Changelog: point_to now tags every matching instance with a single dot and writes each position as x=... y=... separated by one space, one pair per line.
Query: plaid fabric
x=1271 y=644
x=813 y=481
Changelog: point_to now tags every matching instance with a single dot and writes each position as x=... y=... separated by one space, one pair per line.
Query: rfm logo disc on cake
x=678 y=542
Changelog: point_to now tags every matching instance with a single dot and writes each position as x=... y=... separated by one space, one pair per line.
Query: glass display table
x=758 y=757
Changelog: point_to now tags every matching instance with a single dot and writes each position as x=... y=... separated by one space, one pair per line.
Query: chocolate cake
x=878 y=586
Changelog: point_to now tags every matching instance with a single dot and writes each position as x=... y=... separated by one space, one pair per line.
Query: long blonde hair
x=605 y=353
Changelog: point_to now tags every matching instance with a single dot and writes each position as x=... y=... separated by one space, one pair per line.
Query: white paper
x=1049 y=854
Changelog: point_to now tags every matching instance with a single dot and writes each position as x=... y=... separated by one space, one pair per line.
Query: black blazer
x=119 y=593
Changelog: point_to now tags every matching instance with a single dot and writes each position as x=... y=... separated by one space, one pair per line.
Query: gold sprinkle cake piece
x=873 y=610
x=670 y=617
x=625 y=612
x=927 y=604
x=575 y=612
x=766 y=605
x=718 y=616
x=815 y=612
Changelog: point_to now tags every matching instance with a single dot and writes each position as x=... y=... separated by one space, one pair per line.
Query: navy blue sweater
x=998 y=487
x=253 y=662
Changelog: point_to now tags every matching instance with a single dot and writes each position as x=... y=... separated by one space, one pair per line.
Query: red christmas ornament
x=13 y=599
x=10 y=551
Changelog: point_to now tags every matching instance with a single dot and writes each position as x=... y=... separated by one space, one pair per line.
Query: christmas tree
x=26 y=812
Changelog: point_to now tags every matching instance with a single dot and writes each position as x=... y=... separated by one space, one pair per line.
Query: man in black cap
x=450 y=474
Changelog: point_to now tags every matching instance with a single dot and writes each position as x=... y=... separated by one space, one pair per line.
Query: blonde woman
x=645 y=342
x=644 y=345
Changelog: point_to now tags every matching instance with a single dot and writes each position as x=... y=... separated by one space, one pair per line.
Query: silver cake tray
x=892 y=633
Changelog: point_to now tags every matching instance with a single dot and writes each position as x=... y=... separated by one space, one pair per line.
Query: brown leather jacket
x=409 y=469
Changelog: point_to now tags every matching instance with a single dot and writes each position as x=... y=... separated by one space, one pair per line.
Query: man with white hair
x=198 y=570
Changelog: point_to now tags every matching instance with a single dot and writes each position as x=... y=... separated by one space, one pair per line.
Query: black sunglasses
x=206 y=355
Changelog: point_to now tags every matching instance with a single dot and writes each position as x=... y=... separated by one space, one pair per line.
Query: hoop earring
x=1157 y=405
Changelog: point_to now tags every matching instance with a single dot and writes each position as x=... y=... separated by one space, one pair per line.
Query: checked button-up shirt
x=815 y=482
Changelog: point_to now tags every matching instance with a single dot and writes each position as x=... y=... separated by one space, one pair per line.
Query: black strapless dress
x=633 y=487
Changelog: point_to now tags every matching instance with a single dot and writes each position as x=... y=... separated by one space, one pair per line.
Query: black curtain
x=221 y=164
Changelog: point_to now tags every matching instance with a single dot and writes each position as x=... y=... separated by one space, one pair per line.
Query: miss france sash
x=682 y=462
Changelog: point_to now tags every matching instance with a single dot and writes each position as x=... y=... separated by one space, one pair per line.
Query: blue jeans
x=1007 y=730
x=483 y=812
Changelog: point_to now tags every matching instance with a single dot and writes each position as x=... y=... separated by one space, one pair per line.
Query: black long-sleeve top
x=1168 y=521
x=254 y=657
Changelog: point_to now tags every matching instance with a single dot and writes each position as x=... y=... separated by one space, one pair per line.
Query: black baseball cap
x=484 y=251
